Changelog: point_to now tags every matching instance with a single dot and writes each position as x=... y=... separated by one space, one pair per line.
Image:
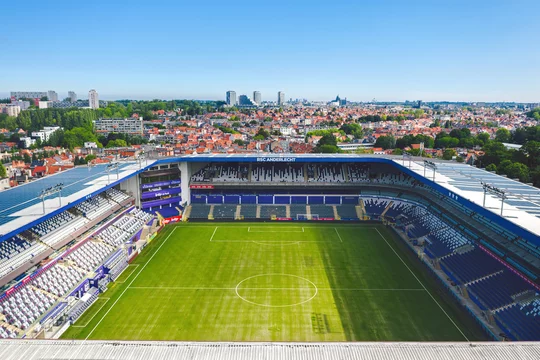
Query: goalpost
x=307 y=217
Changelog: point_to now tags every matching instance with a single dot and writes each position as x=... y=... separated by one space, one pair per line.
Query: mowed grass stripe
x=187 y=291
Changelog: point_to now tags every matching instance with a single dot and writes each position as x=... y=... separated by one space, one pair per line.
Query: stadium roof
x=112 y=350
x=21 y=206
x=522 y=206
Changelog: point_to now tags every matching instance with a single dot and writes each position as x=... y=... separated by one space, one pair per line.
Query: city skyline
x=391 y=51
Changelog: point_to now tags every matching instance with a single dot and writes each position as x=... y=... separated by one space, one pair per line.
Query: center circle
x=276 y=290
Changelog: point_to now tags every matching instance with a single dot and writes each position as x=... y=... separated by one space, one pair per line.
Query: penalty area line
x=214 y=233
x=422 y=284
x=340 y=239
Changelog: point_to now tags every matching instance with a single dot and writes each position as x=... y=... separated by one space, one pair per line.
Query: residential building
x=231 y=98
x=52 y=95
x=12 y=110
x=44 y=104
x=280 y=98
x=24 y=105
x=16 y=95
x=132 y=126
x=93 y=99
x=26 y=142
x=45 y=133
x=257 y=97
x=72 y=96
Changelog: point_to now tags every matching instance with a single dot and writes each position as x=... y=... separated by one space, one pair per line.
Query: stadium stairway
x=211 y=213
x=483 y=278
x=187 y=213
x=360 y=210
x=308 y=211
x=336 y=215
x=258 y=213
x=237 y=213
x=287 y=211
x=390 y=203
x=345 y=171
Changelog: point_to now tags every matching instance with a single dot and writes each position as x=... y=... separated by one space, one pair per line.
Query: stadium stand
x=94 y=207
x=269 y=211
x=224 y=211
x=199 y=211
x=483 y=259
x=324 y=211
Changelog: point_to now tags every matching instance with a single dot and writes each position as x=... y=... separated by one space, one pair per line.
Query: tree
x=502 y=135
x=531 y=149
x=89 y=157
x=327 y=149
x=449 y=154
x=327 y=139
x=3 y=172
x=353 y=129
x=386 y=142
x=117 y=143
x=484 y=137
x=518 y=171
x=491 y=167
x=263 y=132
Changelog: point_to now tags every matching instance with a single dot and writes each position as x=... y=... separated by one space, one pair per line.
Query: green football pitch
x=276 y=282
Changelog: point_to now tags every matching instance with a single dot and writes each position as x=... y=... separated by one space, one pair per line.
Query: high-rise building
x=244 y=100
x=257 y=97
x=280 y=98
x=231 y=98
x=93 y=99
x=52 y=95
x=72 y=96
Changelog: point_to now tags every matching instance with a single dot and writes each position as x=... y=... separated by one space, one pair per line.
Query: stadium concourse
x=68 y=237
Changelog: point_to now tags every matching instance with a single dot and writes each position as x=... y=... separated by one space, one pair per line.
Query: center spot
x=276 y=290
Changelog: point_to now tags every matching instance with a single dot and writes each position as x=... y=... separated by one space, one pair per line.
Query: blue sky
x=473 y=50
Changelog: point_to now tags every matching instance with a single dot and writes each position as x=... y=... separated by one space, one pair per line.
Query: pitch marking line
x=92 y=318
x=132 y=265
x=135 y=278
x=340 y=239
x=417 y=279
x=257 y=288
x=214 y=233
x=314 y=287
x=274 y=241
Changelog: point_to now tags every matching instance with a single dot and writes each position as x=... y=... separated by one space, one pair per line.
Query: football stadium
x=280 y=255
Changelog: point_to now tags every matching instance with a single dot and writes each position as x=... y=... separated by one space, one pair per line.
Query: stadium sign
x=276 y=159
x=171 y=219
x=201 y=186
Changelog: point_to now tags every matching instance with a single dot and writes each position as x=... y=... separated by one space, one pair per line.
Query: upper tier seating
x=94 y=207
x=117 y=195
x=327 y=173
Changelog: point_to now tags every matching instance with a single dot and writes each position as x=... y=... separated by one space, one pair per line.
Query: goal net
x=307 y=217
